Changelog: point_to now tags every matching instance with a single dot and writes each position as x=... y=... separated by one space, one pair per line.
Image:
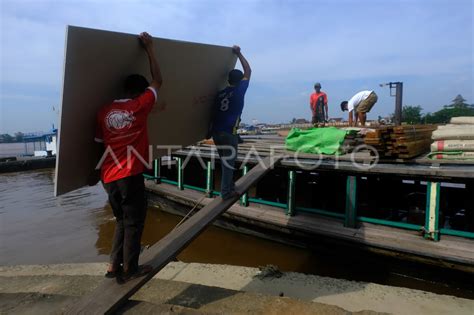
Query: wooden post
x=244 y=200
x=290 y=203
x=180 y=173
x=398 y=103
x=209 y=179
x=157 y=170
x=351 y=202
x=432 y=211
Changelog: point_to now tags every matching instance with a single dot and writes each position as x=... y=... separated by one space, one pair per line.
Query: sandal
x=141 y=271
x=115 y=273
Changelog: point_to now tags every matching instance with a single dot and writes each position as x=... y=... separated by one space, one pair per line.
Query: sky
x=347 y=46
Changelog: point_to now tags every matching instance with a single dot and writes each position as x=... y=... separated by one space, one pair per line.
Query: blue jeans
x=227 y=148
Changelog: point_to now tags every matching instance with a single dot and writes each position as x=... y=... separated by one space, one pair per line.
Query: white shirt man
x=361 y=103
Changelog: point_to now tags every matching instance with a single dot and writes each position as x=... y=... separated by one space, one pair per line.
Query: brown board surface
x=97 y=62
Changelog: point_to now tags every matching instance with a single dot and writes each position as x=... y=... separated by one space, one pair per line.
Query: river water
x=17 y=149
x=37 y=228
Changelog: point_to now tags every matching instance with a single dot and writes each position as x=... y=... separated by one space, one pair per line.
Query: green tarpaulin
x=316 y=140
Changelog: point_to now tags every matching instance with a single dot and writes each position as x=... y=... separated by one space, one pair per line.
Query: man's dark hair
x=135 y=84
x=344 y=105
x=235 y=76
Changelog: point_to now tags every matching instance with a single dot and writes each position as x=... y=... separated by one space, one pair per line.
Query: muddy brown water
x=37 y=228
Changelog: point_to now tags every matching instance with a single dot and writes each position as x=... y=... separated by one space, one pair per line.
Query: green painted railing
x=402 y=225
x=268 y=203
x=457 y=233
x=290 y=204
x=351 y=191
x=244 y=200
x=322 y=212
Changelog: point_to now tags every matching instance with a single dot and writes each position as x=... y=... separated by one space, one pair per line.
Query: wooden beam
x=109 y=295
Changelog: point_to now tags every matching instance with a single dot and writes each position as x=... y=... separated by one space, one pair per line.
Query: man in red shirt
x=319 y=106
x=122 y=128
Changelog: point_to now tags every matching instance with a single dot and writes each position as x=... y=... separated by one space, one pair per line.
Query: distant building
x=44 y=143
x=301 y=121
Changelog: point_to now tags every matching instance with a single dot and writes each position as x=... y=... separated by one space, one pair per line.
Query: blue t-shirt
x=228 y=107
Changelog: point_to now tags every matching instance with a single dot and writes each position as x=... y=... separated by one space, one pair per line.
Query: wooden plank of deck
x=110 y=295
x=445 y=172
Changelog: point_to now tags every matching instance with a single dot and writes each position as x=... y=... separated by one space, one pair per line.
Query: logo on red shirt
x=118 y=119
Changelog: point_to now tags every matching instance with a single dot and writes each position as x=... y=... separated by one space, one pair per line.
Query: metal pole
x=209 y=179
x=290 y=203
x=244 y=200
x=432 y=211
x=157 y=170
x=180 y=173
x=398 y=103
x=351 y=202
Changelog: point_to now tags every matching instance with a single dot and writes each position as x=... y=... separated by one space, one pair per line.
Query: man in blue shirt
x=226 y=118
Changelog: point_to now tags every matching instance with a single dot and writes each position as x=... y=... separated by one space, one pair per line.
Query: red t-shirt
x=122 y=127
x=314 y=99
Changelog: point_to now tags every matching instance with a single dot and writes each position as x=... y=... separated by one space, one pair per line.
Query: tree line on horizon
x=7 y=138
x=458 y=107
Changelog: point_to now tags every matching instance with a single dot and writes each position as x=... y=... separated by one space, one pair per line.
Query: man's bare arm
x=350 y=118
x=243 y=61
x=147 y=42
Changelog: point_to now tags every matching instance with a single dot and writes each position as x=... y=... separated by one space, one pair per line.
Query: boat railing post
x=351 y=202
x=157 y=170
x=209 y=180
x=244 y=200
x=290 y=203
x=179 y=161
x=432 y=211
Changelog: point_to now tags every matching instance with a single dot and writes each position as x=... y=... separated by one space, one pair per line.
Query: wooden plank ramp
x=110 y=295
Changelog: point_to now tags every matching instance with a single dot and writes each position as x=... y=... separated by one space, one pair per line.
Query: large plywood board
x=97 y=62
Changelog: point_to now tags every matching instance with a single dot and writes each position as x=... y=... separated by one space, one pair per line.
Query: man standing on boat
x=319 y=106
x=361 y=103
x=226 y=118
x=122 y=128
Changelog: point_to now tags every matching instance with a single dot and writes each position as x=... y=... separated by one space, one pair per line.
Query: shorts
x=366 y=105
x=318 y=115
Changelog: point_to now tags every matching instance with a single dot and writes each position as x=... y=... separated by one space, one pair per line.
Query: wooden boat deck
x=357 y=163
x=449 y=250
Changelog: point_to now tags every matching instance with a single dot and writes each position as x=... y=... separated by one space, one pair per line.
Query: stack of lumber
x=402 y=142
x=454 y=141
x=354 y=138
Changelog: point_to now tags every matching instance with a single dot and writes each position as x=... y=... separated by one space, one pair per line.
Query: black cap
x=317 y=84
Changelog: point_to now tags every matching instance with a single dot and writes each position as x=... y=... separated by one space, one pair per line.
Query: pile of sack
x=454 y=141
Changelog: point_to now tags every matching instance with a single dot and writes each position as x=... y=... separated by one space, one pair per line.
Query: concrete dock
x=191 y=288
